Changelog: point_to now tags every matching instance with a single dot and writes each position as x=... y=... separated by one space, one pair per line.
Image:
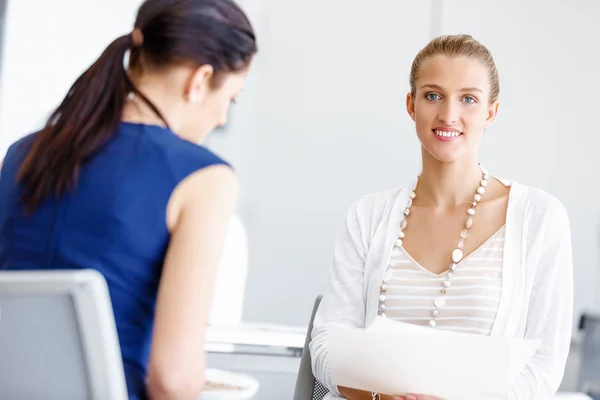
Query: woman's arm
x=198 y=215
x=344 y=301
x=355 y=394
x=550 y=314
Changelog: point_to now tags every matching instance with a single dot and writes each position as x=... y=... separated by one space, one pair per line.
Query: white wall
x=549 y=63
x=2 y=17
x=2 y=10
x=47 y=45
x=330 y=127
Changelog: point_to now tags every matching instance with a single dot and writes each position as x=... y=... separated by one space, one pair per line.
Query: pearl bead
x=447 y=284
x=439 y=302
x=436 y=313
x=412 y=195
x=464 y=234
x=403 y=224
x=471 y=211
x=469 y=223
x=450 y=275
x=484 y=171
x=457 y=255
x=383 y=315
x=481 y=190
x=453 y=267
x=382 y=307
x=383 y=287
x=484 y=183
x=406 y=211
x=477 y=197
x=474 y=204
x=381 y=298
x=401 y=235
x=432 y=323
x=398 y=243
x=461 y=243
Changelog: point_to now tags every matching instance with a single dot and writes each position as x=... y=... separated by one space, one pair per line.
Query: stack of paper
x=397 y=358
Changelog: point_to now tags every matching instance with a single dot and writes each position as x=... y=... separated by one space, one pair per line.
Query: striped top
x=472 y=301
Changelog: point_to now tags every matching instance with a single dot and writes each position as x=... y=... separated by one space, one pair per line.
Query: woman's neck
x=446 y=185
x=159 y=92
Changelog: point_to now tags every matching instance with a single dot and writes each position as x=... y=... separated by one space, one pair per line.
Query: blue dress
x=114 y=221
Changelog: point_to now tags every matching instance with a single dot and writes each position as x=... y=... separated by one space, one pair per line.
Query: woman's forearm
x=355 y=394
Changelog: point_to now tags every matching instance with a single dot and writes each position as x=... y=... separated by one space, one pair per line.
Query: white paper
x=396 y=358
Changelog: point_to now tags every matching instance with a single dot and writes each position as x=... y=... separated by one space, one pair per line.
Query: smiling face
x=451 y=106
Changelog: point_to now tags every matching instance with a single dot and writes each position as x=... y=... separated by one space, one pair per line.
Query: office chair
x=307 y=387
x=58 y=337
x=589 y=370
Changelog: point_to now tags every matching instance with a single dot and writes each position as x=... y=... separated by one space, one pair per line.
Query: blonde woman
x=457 y=248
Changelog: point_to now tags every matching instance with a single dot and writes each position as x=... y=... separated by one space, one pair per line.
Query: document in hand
x=398 y=358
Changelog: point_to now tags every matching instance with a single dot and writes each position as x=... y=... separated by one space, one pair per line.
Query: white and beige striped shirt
x=472 y=301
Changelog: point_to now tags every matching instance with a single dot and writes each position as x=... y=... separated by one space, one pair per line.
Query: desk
x=283 y=340
x=270 y=353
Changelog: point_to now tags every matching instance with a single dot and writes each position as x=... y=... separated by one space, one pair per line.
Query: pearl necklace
x=457 y=254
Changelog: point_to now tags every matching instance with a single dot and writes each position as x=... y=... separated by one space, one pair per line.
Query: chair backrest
x=589 y=369
x=58 y=337
x=307 y=387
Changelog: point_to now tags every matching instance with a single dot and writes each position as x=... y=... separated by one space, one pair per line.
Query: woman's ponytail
x=168 y=32
x=84 y=121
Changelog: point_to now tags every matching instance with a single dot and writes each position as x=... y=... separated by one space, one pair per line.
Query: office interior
x=319 y=125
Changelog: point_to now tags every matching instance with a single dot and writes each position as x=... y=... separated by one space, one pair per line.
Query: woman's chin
x=448 y=157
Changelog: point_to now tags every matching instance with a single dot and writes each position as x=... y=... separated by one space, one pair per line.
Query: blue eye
x=432 y=96
x=470 y=100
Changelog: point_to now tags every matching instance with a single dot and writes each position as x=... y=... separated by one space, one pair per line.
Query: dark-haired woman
x=117 y=182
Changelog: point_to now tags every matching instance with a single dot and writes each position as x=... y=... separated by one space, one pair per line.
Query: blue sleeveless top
x=114 y=222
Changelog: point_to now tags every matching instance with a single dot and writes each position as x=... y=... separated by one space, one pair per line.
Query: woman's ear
x=410 y=105
x=492 y=113
x=198 y=83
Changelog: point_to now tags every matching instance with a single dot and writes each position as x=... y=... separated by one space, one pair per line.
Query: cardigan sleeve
x=550 y=314
x=344 y=302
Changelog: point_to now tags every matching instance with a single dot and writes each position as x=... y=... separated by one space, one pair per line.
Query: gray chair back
x=589 y=369
x=307 y=387
x=58 y=338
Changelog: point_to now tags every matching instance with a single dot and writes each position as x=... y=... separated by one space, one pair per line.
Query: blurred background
x=322 y=120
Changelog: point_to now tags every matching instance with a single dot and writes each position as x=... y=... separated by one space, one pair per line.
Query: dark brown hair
x=167 y=32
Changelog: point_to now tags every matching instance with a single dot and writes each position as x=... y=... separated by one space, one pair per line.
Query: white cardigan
x=537 y=289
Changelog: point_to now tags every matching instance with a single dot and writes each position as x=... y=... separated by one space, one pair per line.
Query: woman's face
x=451 y=106
x=207 y=106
